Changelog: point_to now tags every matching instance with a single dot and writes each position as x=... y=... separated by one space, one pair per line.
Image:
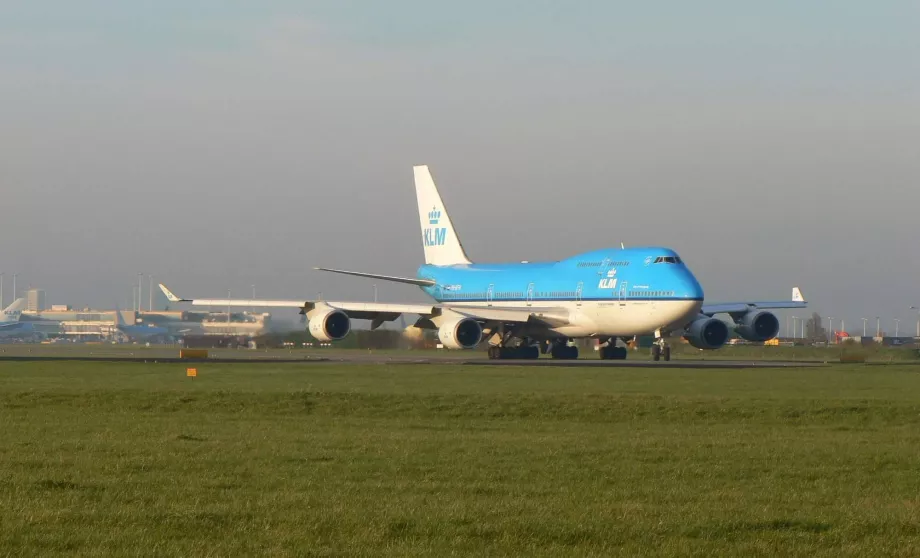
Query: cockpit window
x=668 y=259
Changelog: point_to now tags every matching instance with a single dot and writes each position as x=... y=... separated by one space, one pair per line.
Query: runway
x=166 y=354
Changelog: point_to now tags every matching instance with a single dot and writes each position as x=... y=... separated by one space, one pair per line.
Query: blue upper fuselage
x=630 y=274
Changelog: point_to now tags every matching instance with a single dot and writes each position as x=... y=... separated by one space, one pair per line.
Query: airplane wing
x=798 y=301
x=15 y=326
x=379 y=312
x=408 y=280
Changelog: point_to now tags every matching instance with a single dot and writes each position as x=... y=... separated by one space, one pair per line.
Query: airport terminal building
x=95 y=325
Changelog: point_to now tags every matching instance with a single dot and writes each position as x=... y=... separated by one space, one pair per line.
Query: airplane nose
x=690 y=286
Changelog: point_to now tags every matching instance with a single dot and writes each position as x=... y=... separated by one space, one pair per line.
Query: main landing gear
x=612 y=352
x=525 y=349
x=561 y=350
x=512 y=346
x=521 y=352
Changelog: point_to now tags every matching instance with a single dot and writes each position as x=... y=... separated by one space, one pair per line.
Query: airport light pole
x=795 y=327
x=140 y=291
x=864 y=325
x=14 y=286
x=830 y=329
x=878 y=327
x=150 y=303
x=897 y=324
x=918 y=319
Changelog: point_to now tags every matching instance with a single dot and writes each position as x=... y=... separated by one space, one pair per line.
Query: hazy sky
x=221 y=144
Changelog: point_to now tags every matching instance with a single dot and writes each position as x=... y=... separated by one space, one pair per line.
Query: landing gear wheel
x=565 y=352
x=528 y=352
x=656 y=352
x=495 y=352
x=613 y=353
x=666 y=353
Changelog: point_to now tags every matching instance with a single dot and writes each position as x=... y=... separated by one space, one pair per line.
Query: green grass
x=329 y=460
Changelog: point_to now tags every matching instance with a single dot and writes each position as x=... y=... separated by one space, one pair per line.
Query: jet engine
x=329 y=325
x=757 y=326
x=707 y=333
x=460 y=333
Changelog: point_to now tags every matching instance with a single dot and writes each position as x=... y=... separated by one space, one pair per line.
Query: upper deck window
x=668 y=259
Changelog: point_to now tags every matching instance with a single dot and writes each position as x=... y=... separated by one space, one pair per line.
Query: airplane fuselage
x=141 y=332
x=606 y=293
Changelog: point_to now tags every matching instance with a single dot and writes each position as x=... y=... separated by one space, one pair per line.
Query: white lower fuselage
x=612 y=318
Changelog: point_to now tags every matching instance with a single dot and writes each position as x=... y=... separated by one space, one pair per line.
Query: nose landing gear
x=661 y=350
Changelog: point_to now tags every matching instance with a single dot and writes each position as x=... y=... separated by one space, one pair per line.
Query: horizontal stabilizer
x=409 y=280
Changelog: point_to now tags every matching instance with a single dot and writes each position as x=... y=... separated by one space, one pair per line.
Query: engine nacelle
x=460 y=333
x=330 y=325
x=707 y=333
x=757 y=326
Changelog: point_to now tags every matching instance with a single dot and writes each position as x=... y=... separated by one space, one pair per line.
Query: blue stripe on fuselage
x=616 y=274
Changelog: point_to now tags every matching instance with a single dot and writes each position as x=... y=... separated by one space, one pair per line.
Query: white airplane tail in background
x=13 y=312
x=440 y=240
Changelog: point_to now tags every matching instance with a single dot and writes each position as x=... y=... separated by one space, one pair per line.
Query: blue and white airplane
x=10 y=323
x=134 y=332
x=525 y=308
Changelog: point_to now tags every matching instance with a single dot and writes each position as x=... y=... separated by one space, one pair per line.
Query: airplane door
x=604 y=265
x=529 y=294
x=489 y=294
x=578 y=292
x=623 y=293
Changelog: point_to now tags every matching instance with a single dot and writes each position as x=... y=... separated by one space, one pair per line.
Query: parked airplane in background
x=137 y=332
x=523 y=308
x=10 y=323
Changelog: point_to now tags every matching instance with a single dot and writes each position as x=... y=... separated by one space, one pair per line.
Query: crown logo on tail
x=434 y=216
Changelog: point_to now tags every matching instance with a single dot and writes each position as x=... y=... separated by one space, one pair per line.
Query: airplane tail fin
x=797 y=295
x=119 y=320
x=12 y=312
x=440 y=240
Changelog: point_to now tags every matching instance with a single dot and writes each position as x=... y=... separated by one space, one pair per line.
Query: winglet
x=169 y=294
x=797 y=295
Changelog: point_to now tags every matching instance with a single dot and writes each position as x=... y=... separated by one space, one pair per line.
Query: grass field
x=329 y=460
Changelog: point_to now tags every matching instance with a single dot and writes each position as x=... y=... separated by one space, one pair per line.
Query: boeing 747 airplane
x=526 y=308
